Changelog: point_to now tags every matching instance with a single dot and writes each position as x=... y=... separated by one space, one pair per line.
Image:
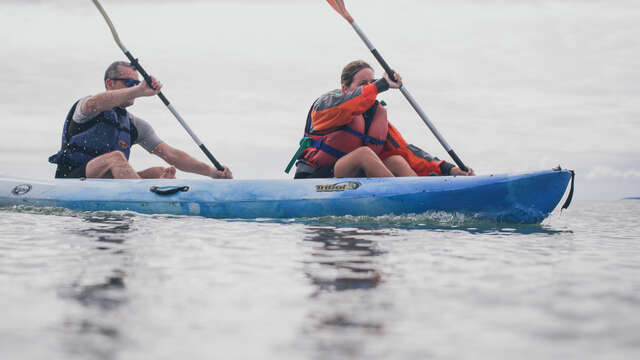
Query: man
x=348 y=135
x=98 y=134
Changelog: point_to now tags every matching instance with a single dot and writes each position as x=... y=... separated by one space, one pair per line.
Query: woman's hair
x=350 y=71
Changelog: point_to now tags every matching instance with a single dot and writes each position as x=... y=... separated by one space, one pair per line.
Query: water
x=518 y=85
x=131 y=286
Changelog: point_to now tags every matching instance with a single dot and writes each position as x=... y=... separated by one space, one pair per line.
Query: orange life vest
x=369 y=129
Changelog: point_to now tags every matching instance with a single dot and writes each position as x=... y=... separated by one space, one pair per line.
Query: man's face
x=363 y=77
x=124 y=72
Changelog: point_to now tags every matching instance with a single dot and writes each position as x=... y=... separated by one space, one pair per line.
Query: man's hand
x=143 y=88
x=457 y=171
x=393 y=84
x=225 y=174
x=185 y=162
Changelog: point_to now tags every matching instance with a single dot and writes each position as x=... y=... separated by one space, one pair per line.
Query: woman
x=348 y=135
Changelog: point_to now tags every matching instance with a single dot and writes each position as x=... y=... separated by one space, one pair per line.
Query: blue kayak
x=519 y=197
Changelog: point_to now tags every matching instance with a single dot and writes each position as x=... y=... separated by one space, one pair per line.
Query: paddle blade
x=338 y=5
x=110 y=24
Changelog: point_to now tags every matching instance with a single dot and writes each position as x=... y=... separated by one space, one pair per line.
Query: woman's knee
x=365 y=152
x=399 y=166
x=394 y=159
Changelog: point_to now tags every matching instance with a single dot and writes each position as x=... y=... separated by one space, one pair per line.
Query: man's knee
x=109 y=160
x=117 y=157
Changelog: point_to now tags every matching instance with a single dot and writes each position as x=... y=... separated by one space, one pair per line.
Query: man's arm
x=185 y=162
x=112 y=98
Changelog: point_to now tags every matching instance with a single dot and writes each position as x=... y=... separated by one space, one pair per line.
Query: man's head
x=120 y=75
x=355 y=74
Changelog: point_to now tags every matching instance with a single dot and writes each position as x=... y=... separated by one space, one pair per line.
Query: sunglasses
x=128 y=82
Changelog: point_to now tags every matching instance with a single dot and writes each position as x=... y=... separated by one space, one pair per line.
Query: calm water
x=512 y=85
x=130 y=286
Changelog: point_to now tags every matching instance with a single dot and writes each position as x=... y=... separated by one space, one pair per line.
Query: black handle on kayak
x=168 y=190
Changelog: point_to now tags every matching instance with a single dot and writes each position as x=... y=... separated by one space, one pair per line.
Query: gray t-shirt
x=147 y=138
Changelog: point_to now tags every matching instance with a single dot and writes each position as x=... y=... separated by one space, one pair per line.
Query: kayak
x=518 y=197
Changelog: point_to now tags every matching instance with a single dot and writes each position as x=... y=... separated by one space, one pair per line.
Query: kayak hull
x=520 y=198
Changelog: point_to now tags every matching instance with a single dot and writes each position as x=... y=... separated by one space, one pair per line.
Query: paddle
x=147 y=78
x=338 y=5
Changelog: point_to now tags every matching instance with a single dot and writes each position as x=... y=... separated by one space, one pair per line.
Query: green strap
x=304 y=143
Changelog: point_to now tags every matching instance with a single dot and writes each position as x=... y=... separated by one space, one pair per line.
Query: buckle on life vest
x=305 y=142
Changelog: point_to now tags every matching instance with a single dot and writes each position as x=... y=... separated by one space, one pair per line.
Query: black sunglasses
x=128 y=82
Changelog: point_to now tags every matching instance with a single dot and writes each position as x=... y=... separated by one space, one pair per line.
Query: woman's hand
x=393 y=84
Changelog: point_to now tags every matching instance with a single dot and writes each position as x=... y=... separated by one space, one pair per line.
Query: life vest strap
x=366 y=139
x=305 y=142
x=320 y=145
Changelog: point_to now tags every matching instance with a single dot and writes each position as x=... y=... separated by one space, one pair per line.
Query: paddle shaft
x=408 y=96
x=136 y=64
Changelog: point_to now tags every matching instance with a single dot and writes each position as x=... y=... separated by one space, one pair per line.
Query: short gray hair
x=113 y=72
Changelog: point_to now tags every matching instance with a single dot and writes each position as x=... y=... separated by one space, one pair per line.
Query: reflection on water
x=93 y=330
x=105 y=296
x=343 y=267
x=347 y=256
x=107 y=229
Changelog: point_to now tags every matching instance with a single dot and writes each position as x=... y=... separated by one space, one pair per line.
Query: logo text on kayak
x=341 y=186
